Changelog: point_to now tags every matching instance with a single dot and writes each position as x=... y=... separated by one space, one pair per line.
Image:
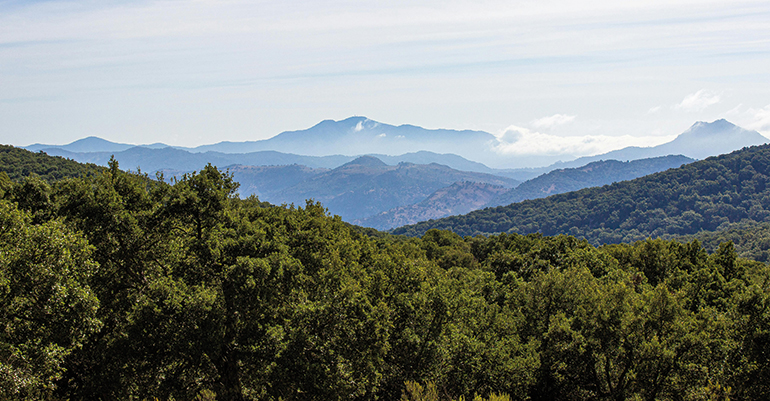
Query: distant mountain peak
x=368 y=161
x=718 y=127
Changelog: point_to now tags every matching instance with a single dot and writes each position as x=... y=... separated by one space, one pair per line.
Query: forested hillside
x=115 y=286
x=18 y=163
x=591 y=175
x=751 y=239
x=701 y=196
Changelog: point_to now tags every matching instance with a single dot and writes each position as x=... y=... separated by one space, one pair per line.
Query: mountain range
x=330 y=144
x=458 y=198
x=707 y=195
x=383 y=190
x=699 y=141
x=367 y=186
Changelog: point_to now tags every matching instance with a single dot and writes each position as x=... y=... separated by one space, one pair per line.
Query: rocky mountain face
x=367 y=186
x=458 y=198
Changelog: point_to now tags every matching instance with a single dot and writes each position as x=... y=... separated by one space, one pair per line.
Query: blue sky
x=566 y=77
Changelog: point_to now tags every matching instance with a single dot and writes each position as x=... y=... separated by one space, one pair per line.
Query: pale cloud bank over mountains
x=522 y=141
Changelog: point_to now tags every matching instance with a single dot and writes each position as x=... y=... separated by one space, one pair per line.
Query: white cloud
x=698 y=101
x=751 y=118
x=521 y=141
x=359 y=127
x=552 y=121
x=653 y=110
x=761 y=119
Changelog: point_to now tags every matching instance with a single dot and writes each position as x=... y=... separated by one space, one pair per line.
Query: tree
x=47 y=307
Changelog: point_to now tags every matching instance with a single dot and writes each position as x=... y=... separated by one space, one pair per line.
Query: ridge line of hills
x=357 y=136
x=372 y=190
x=707 y=195
x=738 y=214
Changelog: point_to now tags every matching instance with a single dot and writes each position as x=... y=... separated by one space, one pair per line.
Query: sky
x=544 y=76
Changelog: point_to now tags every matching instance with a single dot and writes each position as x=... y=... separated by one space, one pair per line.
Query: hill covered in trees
x=116 y=286
x=593 y=174
x=702 y=196
x=19 y=163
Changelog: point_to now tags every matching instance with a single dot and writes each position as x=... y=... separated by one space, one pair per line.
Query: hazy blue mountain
x=700 y=141
x=147 y=159
x=367 y=186
x=175 y=159
x=89 y=144
x=591 y=175
x=463 y=150
x=458 y=198
x=425 y=157
x=266 y=181
x=361 y=136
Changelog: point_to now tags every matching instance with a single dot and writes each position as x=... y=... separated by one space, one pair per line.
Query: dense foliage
x=751 y=239
x=593 y=174
x=702 y=196
x=115 y=286
x=19 y=163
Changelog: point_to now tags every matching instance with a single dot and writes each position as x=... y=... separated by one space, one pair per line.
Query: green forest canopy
x=18 y=163
x=115 y=286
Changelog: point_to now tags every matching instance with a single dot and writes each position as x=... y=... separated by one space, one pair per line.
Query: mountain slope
x=459 y=149
x=177 y=159
x=367 y=186
x=591 y=175
x=699 y=196
x=88 y=144
x=18 y=163
x=458 y=198
x=359 y=135
x=700 y=141
x=168 y=158
x=266 y=181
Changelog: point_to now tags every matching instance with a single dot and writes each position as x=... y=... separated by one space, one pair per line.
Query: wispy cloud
x=751 y=118
x=698 y=101
x=761 y=119
x=264 y=67
x=653 y=110
x=522 y=141
x=552 y=121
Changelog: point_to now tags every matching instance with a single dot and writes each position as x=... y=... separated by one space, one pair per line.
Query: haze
x=561 y=77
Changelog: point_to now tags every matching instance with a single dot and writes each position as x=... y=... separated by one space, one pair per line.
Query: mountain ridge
x=458 y=198
x=593 y=174
x=698 y=142
x=357 y=136
x=700 y=196
x=362 y=189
